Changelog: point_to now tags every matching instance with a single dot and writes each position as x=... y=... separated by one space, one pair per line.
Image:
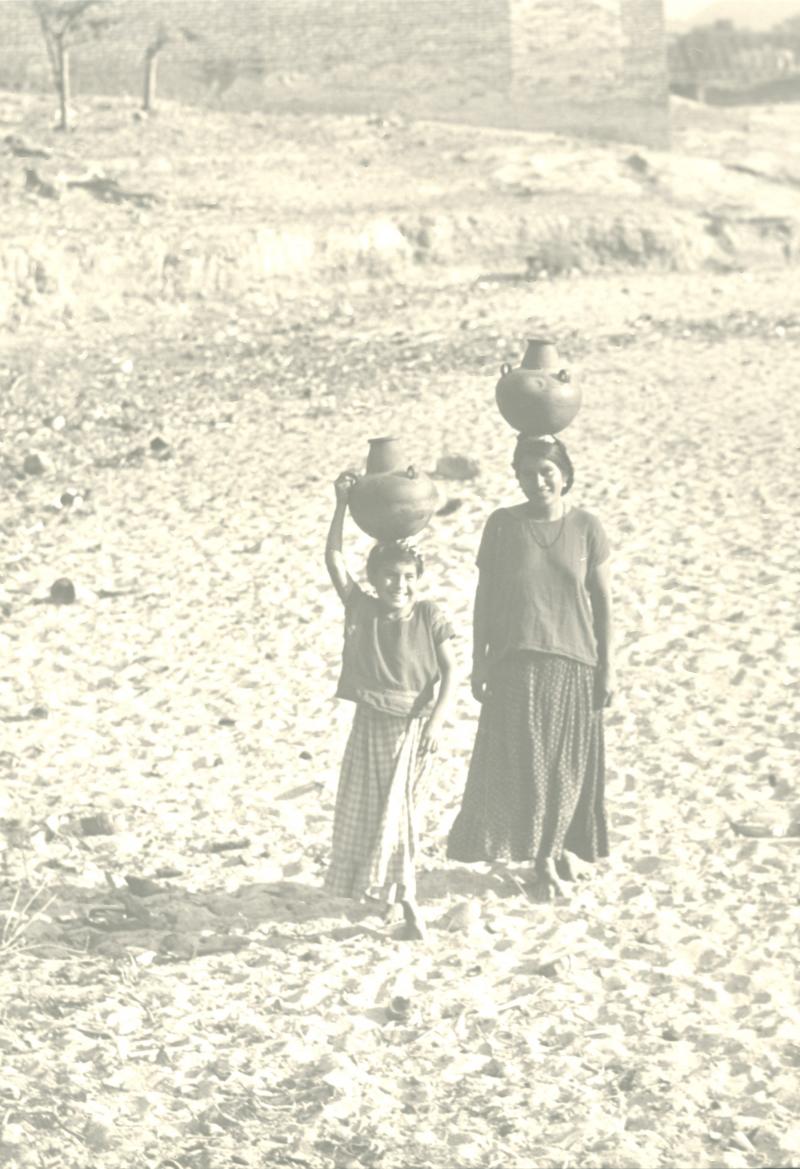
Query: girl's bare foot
x=414 y=930
x=373 y=905
x=394 y=913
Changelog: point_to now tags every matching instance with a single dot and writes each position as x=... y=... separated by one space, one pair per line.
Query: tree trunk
x=63 y=85
x=150 y=77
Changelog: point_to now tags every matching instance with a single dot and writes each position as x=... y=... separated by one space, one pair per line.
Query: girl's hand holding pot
x=344 y=484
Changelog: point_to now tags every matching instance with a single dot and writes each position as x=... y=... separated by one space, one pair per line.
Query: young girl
x=396 y=650
x=543 y=672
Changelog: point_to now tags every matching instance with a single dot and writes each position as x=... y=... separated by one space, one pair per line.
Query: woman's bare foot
x=570 y=868
x=546 y=883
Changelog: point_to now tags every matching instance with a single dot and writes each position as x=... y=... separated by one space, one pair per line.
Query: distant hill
x=757 y=14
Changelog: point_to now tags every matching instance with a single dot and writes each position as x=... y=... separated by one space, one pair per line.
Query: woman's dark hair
x=545 y=448
x=393 y=552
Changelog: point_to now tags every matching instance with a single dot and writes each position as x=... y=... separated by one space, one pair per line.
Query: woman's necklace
x=545 y=543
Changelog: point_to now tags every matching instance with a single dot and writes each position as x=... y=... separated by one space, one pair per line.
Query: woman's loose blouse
x=534 y=579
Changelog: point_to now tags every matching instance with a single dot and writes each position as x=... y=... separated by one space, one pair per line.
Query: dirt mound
x=130 y=215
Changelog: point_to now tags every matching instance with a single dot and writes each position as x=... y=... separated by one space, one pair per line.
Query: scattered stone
x=39 y=186
x=463 y=918
x=23 y=149
x=228 y=845
x=554 y=968
x=100 y=824
x=73 y=498
x=33 y=465
x=457 y=467
x=763 y=824
x=449 y=507
x=168 y=871
x=62 y=591
x=743 y=1142
x=143 y=886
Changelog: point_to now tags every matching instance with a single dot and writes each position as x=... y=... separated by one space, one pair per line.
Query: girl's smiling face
x=542 y=482
x=397 y=586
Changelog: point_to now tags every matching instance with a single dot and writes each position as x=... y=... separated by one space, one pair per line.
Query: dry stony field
x=176 y=991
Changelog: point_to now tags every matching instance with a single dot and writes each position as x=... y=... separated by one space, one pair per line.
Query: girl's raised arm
x=334 y=558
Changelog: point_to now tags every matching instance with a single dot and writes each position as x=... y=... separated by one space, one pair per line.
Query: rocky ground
x=129 y=213
x=175 y=988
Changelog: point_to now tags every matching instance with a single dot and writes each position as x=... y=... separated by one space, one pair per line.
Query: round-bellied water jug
x=539 y=397
x=392 y=501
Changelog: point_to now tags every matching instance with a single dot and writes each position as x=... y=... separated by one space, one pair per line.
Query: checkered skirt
x=536 y=778
x=382 y=780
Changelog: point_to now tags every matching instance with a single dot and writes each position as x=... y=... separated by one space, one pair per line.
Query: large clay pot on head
x=539 y=397
x=391 y=501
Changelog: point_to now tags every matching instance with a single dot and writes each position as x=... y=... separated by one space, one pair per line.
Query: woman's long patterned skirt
x=537 y=776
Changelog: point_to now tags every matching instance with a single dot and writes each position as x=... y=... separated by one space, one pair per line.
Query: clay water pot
x=539 y=397
x=392 y=501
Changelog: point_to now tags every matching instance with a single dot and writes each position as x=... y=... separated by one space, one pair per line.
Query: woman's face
x=541 y=480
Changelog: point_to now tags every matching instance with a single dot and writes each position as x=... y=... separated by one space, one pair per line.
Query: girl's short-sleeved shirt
x=388 y=664
x=534 y=580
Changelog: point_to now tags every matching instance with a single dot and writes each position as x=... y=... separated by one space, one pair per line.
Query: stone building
x=590 y=67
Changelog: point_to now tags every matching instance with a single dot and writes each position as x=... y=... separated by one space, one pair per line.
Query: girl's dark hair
x=545 y=448
x=393 y=552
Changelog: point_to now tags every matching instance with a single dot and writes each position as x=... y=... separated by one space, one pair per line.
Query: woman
x=543 y=671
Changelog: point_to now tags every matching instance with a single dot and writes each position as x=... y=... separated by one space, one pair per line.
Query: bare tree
x=159 y=42
x=161 y=38
x=65 y=23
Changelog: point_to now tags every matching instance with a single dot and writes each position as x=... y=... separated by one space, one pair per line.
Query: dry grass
x=21 y=915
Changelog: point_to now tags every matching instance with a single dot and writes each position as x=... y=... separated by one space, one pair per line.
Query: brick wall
x=596 y=67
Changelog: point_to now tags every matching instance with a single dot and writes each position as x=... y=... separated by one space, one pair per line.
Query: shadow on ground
x=172 y=923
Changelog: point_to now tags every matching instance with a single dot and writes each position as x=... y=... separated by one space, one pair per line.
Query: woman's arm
x=480 y=639
x=334 y=558
x=446 y=658
x=599 y=586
